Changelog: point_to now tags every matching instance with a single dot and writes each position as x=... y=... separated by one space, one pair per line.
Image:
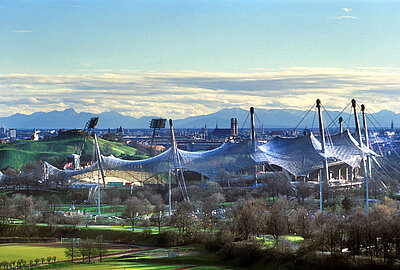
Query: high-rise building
x=12 y=133
x=234 y=127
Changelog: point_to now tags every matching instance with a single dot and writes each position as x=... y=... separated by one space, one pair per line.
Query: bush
x=219 y=240
x=146 y=223
x=169 y=239
x=146 y=233
x=243 y=253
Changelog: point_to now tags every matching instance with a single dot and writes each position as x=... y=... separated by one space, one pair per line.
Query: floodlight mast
x=156 y=124
x=322 y=134
x=91 y=126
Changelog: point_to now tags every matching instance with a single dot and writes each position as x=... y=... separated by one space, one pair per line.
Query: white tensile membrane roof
x=296 y=155
x=300 y=155
x=230 y=157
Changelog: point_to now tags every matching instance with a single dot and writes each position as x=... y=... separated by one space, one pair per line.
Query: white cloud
x=345 y=17
x=22 y=31
x=186 y=93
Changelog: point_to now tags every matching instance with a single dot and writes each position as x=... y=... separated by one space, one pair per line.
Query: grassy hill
x=55 y=150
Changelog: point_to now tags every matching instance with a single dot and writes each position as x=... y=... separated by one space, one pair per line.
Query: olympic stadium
x=345 y=158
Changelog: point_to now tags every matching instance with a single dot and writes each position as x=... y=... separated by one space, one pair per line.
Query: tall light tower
x=156 y=125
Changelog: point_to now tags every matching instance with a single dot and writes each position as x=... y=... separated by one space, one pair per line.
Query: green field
x=25 y=252
x=10 y=252
x=18 y=154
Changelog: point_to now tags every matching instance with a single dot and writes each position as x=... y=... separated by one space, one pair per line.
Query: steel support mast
x=368 y=157
x=253 y=140
x=358 y=134
x=173 y=146
x=326 y=169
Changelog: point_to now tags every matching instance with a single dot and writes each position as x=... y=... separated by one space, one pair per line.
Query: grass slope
x=18 y=154
x=191 y=257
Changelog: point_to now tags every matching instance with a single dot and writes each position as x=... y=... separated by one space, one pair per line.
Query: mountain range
x=274 y=118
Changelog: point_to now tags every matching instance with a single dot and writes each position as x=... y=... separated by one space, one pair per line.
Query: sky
x=182 y=58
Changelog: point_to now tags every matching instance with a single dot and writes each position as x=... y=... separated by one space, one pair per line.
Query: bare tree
x=116 y=202
x=246 y=219
x=209 y=216
x=277 y=223
x=303 y=191
x=182 y=217
x=156 y=199
x=71 y=250
x=302 y=222
x=158 y=218
x=101 y=248
x=133 y=210
x=356 y=226
x=55 y=203
x=87 y=250
x=7 y=209
x=26 y=207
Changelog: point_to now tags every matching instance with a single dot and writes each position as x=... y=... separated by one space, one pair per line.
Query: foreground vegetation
x=246 y=228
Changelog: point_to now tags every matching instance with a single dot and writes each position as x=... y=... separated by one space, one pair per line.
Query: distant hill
x=70 y=119
x=274 y=118
x=55 y=150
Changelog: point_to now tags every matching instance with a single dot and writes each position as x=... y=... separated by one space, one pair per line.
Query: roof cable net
x=296 y=155
x=345 y=147
x=231 y=157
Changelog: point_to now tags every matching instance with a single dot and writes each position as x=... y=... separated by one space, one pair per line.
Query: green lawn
x=16 y=252
x=115 y=265
x=270 y=242
x=294 y=238
x=93 y=209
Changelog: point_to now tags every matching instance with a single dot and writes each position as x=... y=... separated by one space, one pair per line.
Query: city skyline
x=184 y=58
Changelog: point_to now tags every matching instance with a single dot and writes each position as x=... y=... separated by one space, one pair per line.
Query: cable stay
x=302 y=119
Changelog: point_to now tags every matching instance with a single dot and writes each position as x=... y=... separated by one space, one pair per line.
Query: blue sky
x=49 y=50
